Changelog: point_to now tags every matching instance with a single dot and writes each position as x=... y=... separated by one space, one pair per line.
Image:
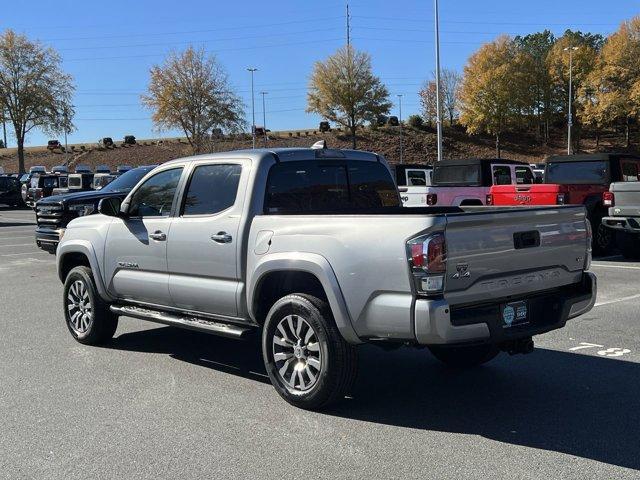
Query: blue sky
x=109 y=46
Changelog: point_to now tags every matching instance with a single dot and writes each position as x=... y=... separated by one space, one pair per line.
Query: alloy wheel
x=296 y=353
x=79 y=307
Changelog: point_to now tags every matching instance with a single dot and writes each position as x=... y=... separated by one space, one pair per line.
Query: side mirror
x=110 y=206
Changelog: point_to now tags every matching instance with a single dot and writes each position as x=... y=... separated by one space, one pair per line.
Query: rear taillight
x=561 y=199
x=608 y=199
x=432 y=198
x=427 y=259
x=489 y=200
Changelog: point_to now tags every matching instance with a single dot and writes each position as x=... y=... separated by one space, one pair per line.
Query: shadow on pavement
x=576 y=404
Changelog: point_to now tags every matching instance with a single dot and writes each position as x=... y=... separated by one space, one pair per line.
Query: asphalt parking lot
x=158 y=402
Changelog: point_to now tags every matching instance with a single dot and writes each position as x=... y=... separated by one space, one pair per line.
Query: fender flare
x=85 y=248
x=311 y=263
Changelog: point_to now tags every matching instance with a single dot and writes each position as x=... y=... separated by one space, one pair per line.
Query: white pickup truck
x=467 y=182
x=312 y=250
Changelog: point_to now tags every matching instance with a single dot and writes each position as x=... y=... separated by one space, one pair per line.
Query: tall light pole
x=253 y=108
x=438 y=116
x=4 y=127
x=569 y=117
x=264 y=118
x=400 y=123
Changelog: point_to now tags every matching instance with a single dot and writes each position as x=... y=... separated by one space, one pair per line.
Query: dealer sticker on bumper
x=515 y=313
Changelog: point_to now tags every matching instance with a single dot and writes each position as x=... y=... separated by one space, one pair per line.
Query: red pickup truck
x=575 y=180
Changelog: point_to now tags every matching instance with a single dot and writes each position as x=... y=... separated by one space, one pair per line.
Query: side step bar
x=191 y=323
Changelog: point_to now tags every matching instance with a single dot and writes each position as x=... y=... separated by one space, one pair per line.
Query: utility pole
x=569 y=117
x=253 y=108
x=4 y=127
x=438 y=115
x=348 y=26
x=66 y=149
x=264 y=118
x=400 y=123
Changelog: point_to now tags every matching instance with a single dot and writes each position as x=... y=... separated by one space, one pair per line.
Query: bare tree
x=36 y=93
x=191 y=91
x=450 y=81
x=428 y=102
x=344 y=89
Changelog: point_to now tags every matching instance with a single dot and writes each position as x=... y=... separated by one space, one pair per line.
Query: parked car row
x=39 y=183
x=313 y=250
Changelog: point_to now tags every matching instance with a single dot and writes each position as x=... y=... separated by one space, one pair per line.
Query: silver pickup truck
x=312 y=248
x=623 y=202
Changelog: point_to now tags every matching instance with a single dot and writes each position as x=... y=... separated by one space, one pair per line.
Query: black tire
x=603 y=237
x=100 y=324
x=465 y=357
x=337 y=358
x=629 y=244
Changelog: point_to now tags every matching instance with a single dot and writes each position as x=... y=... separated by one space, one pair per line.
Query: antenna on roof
x=320 y=144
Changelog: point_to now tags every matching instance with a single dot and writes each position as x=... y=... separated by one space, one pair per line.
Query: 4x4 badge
x=462 y=270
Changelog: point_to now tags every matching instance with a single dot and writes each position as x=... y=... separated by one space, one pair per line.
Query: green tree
x=537 y=46
x=343 y=89
x=191 y=92
x=36 y=93
x=495 y=89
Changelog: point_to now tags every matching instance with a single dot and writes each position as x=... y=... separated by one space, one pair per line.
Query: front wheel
x=308 y=362
x=88 y=317
x=464 y=357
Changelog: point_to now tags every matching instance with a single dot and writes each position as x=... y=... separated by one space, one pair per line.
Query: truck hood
x=89 y=195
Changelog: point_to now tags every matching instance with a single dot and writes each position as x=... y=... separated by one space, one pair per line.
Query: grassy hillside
x=419 y=147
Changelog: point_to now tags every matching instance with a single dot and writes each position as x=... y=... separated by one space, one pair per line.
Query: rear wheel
x=629 y=244
x=603 y=238
x=88 y=317
x=309 y=363
x=464 y=357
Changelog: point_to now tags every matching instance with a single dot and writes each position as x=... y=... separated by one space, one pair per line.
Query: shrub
x=415 y=121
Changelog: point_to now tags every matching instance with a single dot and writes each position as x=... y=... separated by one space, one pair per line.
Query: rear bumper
x=622 y=224
x=48 y=238
x=438 y=323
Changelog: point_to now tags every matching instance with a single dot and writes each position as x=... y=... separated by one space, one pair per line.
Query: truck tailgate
x=536 y=194
x=499 y=253
x=627 y=199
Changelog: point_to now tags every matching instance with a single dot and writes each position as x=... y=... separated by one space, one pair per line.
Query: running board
x=191 y=323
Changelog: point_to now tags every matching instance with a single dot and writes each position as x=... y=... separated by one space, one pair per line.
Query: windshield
x=577 y=173
x=128 y=180
x=456 y=175
x=50 y=182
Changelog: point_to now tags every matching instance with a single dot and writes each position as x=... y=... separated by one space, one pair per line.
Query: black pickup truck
x=55 y=212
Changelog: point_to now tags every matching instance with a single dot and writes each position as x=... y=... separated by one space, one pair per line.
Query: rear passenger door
x=203 y=251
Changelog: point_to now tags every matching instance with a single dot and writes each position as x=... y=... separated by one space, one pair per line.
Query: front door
x=204 y=246
x=136 y=247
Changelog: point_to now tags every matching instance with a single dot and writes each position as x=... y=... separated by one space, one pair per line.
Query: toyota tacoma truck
x=466 y=182
x=623 y=202
x=313 y=249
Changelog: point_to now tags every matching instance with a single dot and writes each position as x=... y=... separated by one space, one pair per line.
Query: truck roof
x=288 y=154
x=478 y=161
x=589 y=157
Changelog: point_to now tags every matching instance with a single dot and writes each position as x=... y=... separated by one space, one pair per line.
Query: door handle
x=221 y=237
x=158 y=235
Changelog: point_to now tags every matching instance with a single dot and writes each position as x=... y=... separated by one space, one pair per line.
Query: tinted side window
x=155 y=195
x=416 y=178
x=501 y=175
x=212 y=189
x=524 y=175
x=629 y=172
x=329 y=186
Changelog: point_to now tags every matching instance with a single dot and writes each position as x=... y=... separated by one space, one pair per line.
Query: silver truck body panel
x=625 y=214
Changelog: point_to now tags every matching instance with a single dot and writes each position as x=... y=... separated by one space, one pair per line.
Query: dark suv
x=10 y=191
x=54 y=213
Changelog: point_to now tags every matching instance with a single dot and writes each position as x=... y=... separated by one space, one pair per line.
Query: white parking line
x=14 y=237
x=18 y=245
x=25 y=253
x=618 y=300
x=624 y=267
